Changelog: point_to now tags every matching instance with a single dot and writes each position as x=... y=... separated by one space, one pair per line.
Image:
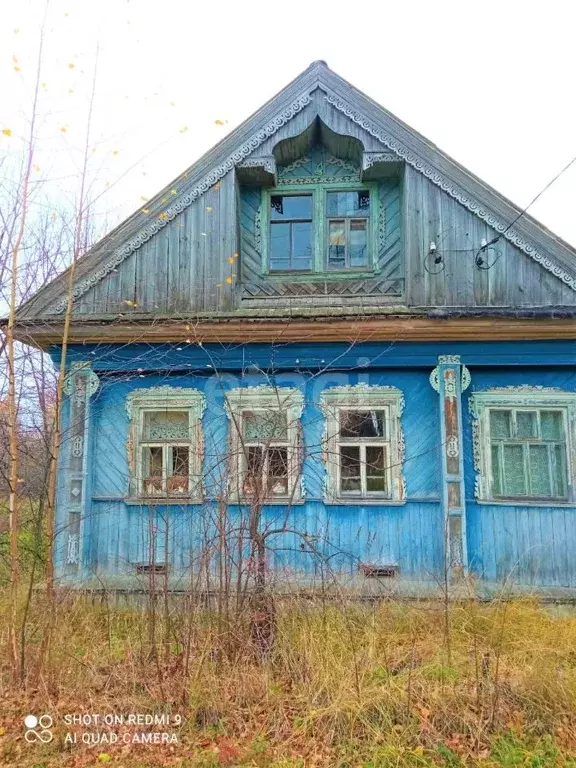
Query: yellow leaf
x=70 y=90
x=104 y=757
x=15 y=59
x=220 y=122
x=63 y=129
x=44 y=85
x=36 y=168
x=216 y=187
x=218 y=285
x=163 y=215
x=7 y=132
x=16 y=69
x=145 y=210
x=143 y=198
x=71 y=65
x=229 y=280
x=16 y=30
x=209 y=208
x=115 y=151
x=235 y=255
x=164 y=200
x=184 y=129
x=173 y=192
x=230 y=260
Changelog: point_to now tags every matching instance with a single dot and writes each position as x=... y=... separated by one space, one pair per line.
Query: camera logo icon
x=38 y=729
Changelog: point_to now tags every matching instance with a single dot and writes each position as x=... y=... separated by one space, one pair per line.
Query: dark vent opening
x=158 y=568
x=380 y=571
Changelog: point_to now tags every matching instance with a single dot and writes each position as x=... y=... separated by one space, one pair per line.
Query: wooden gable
x=197 y=250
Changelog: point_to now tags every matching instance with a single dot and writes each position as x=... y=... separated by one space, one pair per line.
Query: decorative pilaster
x=450 y=378
x=81 y=383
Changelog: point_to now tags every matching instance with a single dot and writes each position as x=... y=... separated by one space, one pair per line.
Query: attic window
x=320 y=228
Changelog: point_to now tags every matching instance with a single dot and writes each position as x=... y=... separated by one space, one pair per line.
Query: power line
x=522 y=213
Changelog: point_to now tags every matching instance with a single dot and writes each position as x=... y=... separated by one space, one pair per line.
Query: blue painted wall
x=529 y=545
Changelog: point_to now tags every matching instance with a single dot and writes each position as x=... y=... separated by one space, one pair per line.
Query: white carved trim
x=240 y=155
x=186 y=200
x=363 y=396
x=517 y=397
x=447 y=186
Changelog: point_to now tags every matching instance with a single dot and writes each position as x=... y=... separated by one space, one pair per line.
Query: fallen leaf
x=71 y=65
x=6 y=132
x=220 y=122
x=229 y=280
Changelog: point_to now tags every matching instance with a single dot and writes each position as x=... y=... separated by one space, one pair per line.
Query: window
x=363 y=444
x=522 y=444
x=319 y=228
x=291 y=232
x=348 y=217
x=165 y=451
x=264 y=441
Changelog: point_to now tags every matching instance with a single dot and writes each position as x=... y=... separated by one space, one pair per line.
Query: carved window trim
x=519 y=398
x=319 y=268
x=165 y=398
x=363 y=397
x=264 y=398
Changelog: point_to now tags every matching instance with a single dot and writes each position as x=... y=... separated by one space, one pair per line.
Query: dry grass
x=345 y=685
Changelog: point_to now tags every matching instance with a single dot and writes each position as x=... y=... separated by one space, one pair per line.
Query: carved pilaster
x=81 y=383
x=450 y=378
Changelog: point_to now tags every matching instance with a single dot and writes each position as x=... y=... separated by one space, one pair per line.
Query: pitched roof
x=539 y=243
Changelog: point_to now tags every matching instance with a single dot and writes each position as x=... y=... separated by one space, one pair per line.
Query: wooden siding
x=515 y=280
x=182 y=269
x=508 y=544
x=185 y=268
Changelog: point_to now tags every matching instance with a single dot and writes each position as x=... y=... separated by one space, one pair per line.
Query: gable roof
x=527 y=234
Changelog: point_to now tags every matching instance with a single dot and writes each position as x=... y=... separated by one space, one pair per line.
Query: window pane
x=254 y=469
x=355 y=203
x=291 y=207
x=539 y=470
x=264 y=426
x=514 y=475
x=337 y=244
x=180 y=460
x=496 y=470
x=279 y=246
x=358 y=244
x=301 y=245
x=357 y=424
x=165 y=425
x=350 y=468
x=375 y=469
x=152 y=469
x=551 y=425
x=500 y=422
x=278 y=471
x=526 y=424
x=561 y=473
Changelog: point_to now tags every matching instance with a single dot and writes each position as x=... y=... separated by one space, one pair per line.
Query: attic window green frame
x=320 y=226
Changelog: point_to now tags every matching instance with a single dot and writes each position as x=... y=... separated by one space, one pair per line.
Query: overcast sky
x=491 y=83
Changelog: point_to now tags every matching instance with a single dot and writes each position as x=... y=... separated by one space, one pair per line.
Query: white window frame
x=265 y=399
x=520 y=398
x=363 y=397
x=166 y=398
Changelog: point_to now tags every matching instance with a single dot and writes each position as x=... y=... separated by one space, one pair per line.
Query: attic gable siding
x=432 y=215
x=182 y=269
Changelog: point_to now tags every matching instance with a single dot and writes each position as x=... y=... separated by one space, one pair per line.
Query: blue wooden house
x=325 y=353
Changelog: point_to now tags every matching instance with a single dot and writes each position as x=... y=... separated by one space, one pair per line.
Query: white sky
x=491 y=83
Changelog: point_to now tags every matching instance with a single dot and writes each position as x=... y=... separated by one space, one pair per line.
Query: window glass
x=514 y=472
x=356 y=203
x=551 y=425
x=361 y=424
x=283 y=207
x=350 y=469
x=500 y=424
x=539 y=471
x=526 y=424
x=375 y=468
x=358 y=243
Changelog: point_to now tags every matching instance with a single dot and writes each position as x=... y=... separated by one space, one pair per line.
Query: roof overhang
x=432 y=325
